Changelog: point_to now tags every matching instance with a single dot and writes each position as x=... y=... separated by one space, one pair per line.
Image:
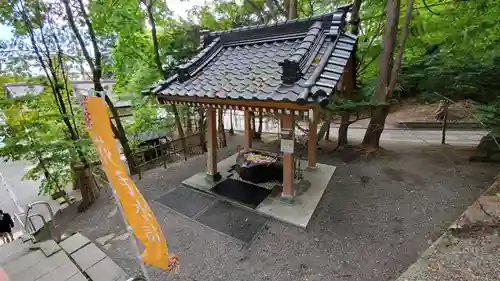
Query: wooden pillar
x=212 y=172
x=311 y=148
x=248 y=131
x=288 y=163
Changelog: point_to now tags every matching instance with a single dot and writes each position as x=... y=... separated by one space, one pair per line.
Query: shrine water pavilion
x=288 y=69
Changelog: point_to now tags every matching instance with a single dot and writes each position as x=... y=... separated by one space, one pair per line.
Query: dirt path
x=374 y=220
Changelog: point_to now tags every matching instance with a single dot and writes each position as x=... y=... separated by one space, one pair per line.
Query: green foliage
x=133 y=54
x=149 y=120
x=452 y=50
x=433 y=78
x=33 y=131
x=489 y=114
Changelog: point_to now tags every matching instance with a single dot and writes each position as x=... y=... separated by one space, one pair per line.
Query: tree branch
x=258 y=10
x=95 y=46
x=401 y=49
x=360 y=62
x=387 y=51
x=71 y=21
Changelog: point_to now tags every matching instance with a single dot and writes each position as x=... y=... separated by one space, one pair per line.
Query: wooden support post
x=248 y=131
x=212 y=172
x=311 y=143
x=445 y=122
x=288 y=164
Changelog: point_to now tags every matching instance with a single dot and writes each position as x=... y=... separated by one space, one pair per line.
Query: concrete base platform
x=297 y=212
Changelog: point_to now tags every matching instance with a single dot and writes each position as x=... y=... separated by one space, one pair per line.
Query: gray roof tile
x=249 y=63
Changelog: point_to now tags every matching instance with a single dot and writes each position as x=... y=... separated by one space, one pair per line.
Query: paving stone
x=77 y=277
x=106 y=270
x=18 y=265
x=45 y=266
x=122 y=237
x=26 y=237
x=88 y=256
x=105 y=239
x=13 y=250
x=74 y=243
x=186 y=201
x=61 y=273
x=49 y=247
x=234 y=221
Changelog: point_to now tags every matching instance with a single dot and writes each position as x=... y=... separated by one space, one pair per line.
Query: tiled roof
x=297 y=61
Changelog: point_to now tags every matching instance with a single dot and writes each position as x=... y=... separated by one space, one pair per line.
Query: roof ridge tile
x=187 y=70
x=291 y=70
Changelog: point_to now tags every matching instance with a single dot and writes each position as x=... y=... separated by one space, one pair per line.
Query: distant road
x=13 y=187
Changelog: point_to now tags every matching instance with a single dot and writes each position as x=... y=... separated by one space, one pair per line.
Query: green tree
x=35 y=22
x=33 y=131
x=388 y=70
x=95 y=64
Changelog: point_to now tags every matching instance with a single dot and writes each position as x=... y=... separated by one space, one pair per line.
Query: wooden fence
x=168 y=152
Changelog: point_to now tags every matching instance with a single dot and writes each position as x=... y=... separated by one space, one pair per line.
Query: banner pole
x=132 y=239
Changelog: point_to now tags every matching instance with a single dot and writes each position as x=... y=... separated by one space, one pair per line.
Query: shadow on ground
x=375 y=218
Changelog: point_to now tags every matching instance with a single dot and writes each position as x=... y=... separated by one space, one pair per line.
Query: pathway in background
x=13 y=187
x=457 y=137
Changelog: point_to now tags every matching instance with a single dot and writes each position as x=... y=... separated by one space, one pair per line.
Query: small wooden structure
x=288 y=68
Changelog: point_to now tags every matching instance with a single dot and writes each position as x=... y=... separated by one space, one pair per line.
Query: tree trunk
x=355 y=19
x=180 y=130
x=387 y=52
x=374 y=131
x=253 y=127
x=292 y=12
x=159 y=66
x=87 y=186
x=222 y=133
x=325 y=126
x=201 y=129
x=189 y=122
x=258 y=133
x=377 y=122
x=286 y=5
x=401 y=49
x=96 y=68
x=118 y=129
x=343 y=129
x=327 y=133
x=231 y=129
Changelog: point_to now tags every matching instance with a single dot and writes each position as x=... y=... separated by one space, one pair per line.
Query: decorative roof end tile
x=291 y=71
x=183 y=74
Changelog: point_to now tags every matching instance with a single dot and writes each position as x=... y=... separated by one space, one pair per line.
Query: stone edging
x=421 y=262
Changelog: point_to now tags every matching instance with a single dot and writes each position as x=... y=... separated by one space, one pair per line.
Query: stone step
x=76 y=258
x=91 y=260
x=48 y=247
x=13 y=250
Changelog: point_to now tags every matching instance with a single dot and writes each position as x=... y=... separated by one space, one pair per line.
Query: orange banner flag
x=136 y=210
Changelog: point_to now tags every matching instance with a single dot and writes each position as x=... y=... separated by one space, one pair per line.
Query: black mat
x=245 y=193
x=186 y=201
x=234 y=221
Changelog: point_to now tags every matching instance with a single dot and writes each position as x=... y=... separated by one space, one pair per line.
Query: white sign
x=287 y=145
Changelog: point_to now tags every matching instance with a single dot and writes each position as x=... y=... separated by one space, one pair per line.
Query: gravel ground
x=377 y=215
x=469 y=250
